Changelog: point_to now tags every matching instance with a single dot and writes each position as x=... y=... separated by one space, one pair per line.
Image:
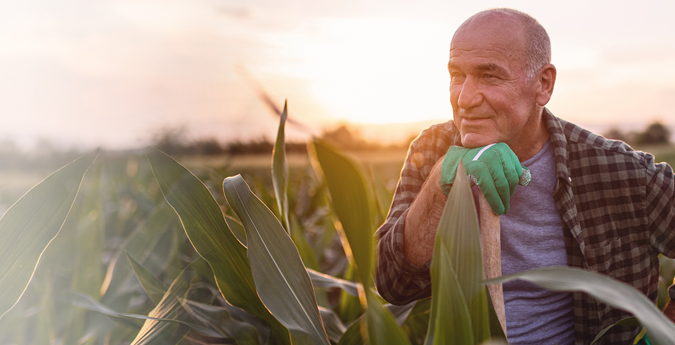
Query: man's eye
x=489 y=76
x=456 y=76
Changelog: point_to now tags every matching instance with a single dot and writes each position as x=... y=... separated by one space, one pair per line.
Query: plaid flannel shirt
x=616 y=207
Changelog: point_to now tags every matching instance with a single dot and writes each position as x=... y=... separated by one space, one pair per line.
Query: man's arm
x=661 y=212
x=398 y=280
x=406 y=249
x=422 y=219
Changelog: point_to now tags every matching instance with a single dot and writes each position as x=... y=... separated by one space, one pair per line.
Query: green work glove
x=494 y=168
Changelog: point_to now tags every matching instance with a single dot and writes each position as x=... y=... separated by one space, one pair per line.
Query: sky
x=113 y=73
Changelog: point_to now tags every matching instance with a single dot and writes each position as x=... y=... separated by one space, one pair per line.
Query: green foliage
x=27 y=228
x=147 y=252
x=629 y=321
x=382 y=327
x=607 y=290
x=458 y=303
x=152 y=286
x=280 y=170
x=448 y=324
x=208 y=232
x=353 y=205
x=156 y=329
x=281 y=279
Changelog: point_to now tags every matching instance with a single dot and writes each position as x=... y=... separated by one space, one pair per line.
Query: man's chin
x=474 y=140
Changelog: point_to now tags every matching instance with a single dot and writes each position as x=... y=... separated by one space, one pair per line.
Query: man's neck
x=533 y=137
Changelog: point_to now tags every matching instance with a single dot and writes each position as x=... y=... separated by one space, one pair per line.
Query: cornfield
x=129 y=249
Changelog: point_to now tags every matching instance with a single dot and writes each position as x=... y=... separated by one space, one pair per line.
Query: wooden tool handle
x=492 y=255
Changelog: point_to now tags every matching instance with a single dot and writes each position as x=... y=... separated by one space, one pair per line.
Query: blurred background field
x=21 y=169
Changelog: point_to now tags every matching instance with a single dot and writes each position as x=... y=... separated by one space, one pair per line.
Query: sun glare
x=373 y=70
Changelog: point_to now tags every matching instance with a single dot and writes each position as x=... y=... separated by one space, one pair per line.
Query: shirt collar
x=556 y=132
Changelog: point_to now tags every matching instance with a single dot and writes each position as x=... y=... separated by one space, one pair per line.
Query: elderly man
x=593 y=203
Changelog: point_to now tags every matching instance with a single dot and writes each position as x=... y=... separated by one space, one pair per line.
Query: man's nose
x=469 y=94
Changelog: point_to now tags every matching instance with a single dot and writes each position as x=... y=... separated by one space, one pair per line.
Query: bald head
x=536 y=45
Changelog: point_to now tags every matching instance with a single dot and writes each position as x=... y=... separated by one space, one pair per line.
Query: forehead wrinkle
x=500 y=49
x=481 y=67
x=489 y=67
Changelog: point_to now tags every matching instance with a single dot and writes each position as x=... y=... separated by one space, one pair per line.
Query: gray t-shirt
x=532 y=237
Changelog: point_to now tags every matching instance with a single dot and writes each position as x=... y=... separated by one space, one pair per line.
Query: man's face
x=491 y=96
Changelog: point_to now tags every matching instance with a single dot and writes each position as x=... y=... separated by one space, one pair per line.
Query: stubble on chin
x=474 y=136
x=474 y=140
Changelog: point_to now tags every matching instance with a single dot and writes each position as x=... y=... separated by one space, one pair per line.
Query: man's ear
x=545 y=83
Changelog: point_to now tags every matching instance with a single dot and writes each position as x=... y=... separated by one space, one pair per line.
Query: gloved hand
x=494 y=168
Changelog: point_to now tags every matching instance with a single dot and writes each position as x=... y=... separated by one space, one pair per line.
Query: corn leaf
x=351 y=307
x=206 y=229
x=214 y=317
x=156 y=330
x=219 y=319
x=280 y=277
x=605 y=289
x=143 y=244
x=352 y=335
x=496 y=330
x=46 y=318
x=280 y=170
x=629 y=321
x=90 y=236
x=162 y=325
x=237 y=228
x=351 y=202
x=320 y=280
x=334 y=326
x=450 y=319
x=417 y=322
x=642 y=338
x=85 y=301
x=383 y=196
x=28 y=226
x=86 y=218
x=152 y=286
x=400 y=312
x=308 y=259
x=460 y=261
x=306 y=253
x=382 y=327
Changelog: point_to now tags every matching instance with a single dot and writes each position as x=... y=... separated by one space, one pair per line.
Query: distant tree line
x=173 y=142
x=44 y=157
x=656 y=133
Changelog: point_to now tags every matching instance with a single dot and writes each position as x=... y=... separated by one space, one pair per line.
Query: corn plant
x=181 y=271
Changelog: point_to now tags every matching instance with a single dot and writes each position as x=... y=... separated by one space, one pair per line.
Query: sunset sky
x=110 y=73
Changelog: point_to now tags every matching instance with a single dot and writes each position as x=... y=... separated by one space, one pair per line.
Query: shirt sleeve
x=660 y=207
x=399 y=281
